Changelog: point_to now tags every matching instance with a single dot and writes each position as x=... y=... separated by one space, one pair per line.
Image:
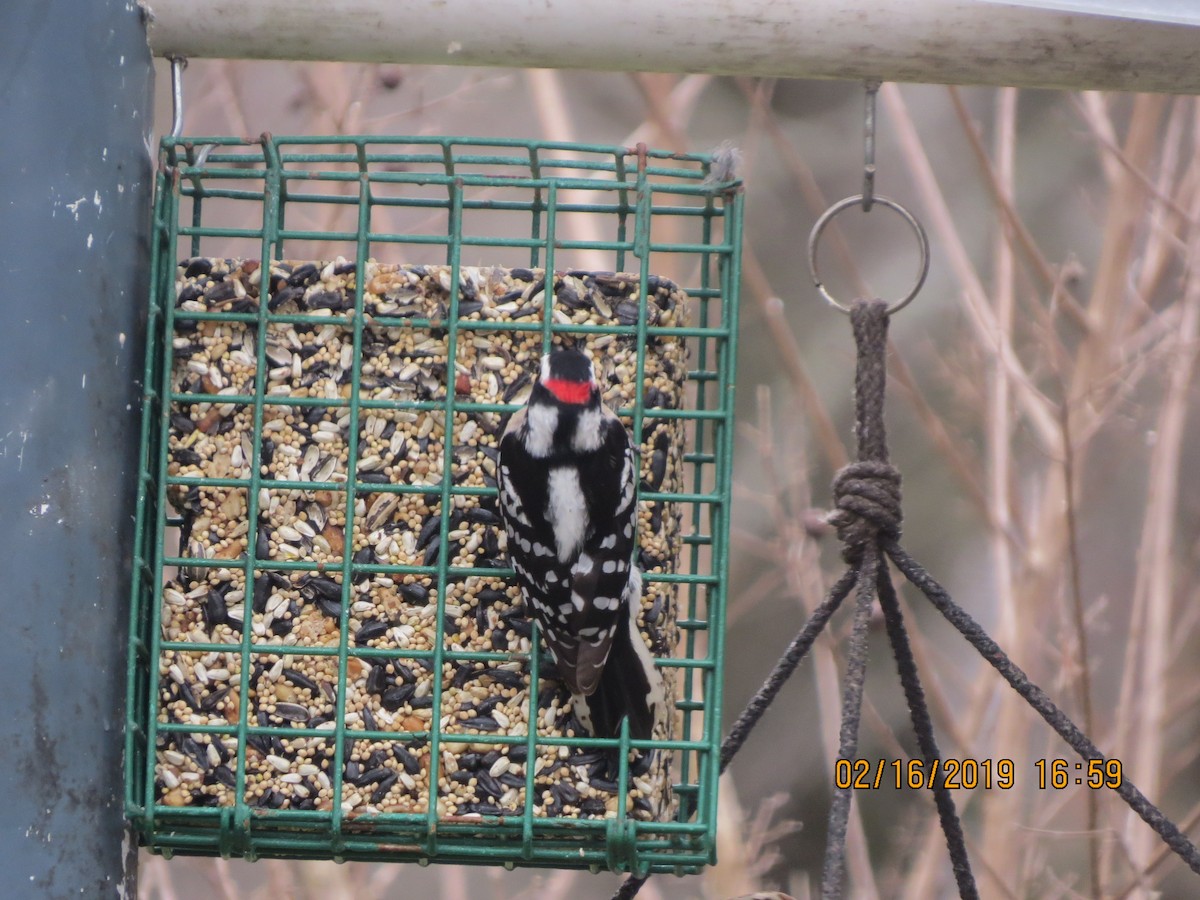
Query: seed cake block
x=388 y=688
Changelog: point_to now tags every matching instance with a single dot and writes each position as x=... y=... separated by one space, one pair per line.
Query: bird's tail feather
x=630 y=684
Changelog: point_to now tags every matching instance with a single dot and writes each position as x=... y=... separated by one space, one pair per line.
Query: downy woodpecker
x=567 y=498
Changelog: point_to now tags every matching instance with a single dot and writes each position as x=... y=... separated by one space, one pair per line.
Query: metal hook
x=178 y=64
x=814 y=239
x=868 y=190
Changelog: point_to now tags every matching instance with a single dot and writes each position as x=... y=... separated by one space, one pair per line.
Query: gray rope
x=783 y=670
x=914 y=694
x=867 y=498
x=834 y=870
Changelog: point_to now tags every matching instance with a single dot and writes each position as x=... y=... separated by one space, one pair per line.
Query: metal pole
x=75 y=101
x=1035 y=44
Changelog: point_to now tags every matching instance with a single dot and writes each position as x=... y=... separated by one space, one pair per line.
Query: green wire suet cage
x=328 y=658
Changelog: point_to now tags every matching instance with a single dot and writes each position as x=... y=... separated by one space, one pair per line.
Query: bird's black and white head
x=565 y=415
x=567 y=377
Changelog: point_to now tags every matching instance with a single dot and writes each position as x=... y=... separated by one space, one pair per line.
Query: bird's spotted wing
x=600 y=574
x=575 y=599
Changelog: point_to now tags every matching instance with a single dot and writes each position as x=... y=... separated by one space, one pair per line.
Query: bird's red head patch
x=568 y=375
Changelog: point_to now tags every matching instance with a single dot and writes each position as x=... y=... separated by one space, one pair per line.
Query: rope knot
x=867 y=496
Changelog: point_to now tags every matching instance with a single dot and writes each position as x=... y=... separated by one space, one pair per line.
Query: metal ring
x=822 y=223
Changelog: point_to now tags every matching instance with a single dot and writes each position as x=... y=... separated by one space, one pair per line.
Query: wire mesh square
x=328 y=656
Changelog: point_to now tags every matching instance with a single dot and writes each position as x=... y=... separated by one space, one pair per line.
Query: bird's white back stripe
x=566 y=511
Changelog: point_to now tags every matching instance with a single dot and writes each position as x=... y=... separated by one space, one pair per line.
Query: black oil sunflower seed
x=370 y=630
x=396 y=696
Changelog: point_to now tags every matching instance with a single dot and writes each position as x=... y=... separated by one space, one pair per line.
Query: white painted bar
x=936 y=41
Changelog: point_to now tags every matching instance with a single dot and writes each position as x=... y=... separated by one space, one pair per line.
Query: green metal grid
x=206 y=190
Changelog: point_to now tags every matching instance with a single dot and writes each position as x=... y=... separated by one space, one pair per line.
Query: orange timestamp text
x=917 y=774
x=969 y=774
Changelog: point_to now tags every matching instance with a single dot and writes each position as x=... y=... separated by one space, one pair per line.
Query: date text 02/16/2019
x=969 y=774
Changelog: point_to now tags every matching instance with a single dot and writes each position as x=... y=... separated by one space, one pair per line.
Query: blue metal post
x=75 y=100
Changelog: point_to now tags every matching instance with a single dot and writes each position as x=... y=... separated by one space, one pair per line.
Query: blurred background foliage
x=1042 y=410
